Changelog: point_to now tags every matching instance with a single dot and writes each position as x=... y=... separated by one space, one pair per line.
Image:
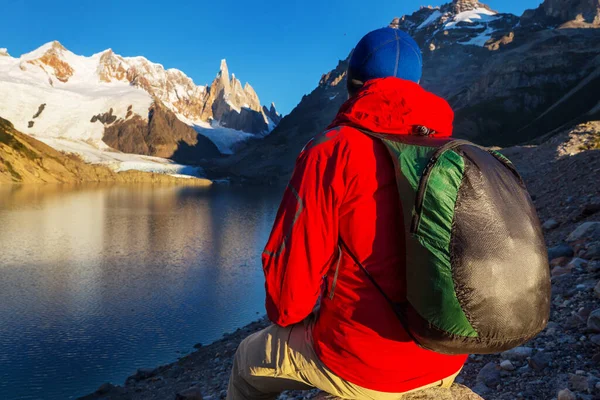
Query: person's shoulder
x=336 y=138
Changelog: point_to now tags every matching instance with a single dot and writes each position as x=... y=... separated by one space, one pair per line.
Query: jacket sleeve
x=303 y=242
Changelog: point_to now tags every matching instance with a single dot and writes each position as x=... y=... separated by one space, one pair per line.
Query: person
x=343 y=187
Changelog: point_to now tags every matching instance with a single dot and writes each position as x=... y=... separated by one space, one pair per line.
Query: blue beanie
x=383 y=53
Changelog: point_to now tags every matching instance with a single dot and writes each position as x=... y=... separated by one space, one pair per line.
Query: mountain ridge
x=76 y=90
x=510 y=79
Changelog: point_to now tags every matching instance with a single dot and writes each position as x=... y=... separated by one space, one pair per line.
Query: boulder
x=550 y=224
x=489 y=375
x=587 y=230
x=593 y=322
x=566 y=394
x=192 y=393
x=579 y=383
x=518 y=353
x=561 y=250
x=592 y=252
x=507 y=365
x=105 y=388
x=540 y=361
x=456 y=392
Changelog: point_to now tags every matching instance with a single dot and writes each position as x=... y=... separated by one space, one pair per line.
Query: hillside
x=509 y=79
x=24 y=159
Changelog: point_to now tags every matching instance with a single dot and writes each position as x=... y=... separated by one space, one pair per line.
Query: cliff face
x=565 y=13
x=24 y=159
x=509 y=79
x=162 y=135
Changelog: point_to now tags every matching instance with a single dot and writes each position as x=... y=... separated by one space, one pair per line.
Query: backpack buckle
x=421 y=130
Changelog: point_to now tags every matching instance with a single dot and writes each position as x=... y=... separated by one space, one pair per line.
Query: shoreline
x=206 y=370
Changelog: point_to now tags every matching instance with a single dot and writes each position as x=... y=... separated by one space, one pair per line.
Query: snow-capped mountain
x=128 y=103
x=465 y=22
x=509 y=79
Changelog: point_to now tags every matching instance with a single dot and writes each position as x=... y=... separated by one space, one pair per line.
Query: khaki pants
x=277 y=359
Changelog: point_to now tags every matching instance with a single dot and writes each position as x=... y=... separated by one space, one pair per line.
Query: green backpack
x=477 y=274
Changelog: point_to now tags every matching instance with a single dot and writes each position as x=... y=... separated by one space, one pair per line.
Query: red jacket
x=344 y=186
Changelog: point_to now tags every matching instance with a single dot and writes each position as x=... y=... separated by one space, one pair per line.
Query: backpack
x=477 y=273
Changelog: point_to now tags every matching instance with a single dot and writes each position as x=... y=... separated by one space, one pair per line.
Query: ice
x=225 y=139
x=435 y=15
x=120 y=161
x=481 y=39
x=476 y=15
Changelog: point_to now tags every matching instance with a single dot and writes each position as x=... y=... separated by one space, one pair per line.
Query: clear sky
x=281 y=47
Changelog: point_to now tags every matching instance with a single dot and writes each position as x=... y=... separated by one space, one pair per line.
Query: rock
x=553 y=325
x=574 y=321
x=489 y=375
x=593 y=322
x=561 y=250
x=566 y=394
x=593 y=267
x=550 y=224
x=481 y=389
x=592 y=252
x=587 y=230
x=584 y=312
x=540 y=361
x=559 y=262
x=590 y=209
x=456 y=392
x=198 y=345
x=595 y=339
x=193 y=393
x=507 y=365
x=518 y=353
x=142 y=373
x=578 y=383
x=105 y=388
x=577 y=263
x=559 y=271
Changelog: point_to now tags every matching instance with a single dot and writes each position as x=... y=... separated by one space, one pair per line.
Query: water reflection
x=98 y=280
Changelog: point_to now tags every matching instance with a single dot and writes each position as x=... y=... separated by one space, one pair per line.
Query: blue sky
x=281 y=47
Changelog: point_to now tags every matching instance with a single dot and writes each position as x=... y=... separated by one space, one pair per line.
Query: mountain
x=509 y=79
x=566 y=14
x=127 y=103
x=24 y=159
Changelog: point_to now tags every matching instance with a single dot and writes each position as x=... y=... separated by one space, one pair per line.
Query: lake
x=99 y=280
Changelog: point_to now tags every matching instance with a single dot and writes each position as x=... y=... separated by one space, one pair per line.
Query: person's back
x=368 y=346
x=344 y=188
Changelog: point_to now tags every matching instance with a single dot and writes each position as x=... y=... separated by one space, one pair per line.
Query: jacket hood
x=396 y=107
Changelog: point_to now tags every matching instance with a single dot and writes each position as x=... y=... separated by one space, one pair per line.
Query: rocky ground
x=563 y=362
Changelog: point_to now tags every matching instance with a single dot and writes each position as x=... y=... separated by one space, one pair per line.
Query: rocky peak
x=465 y=22
x=573 y=13
x=272 y=114
x=223 y=74
x=55 y=45
x=4 y=52
x=50 y=57
x=111 y=67
x=459 y=6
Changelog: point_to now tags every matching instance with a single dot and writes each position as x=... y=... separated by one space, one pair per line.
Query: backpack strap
x=396 y=308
